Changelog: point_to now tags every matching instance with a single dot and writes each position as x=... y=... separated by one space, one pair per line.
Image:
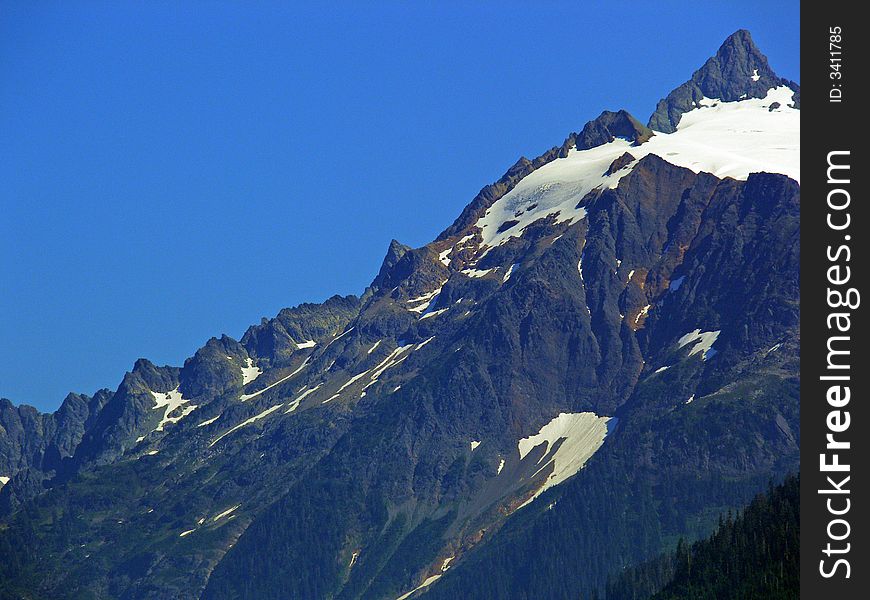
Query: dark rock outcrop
x=623 y=161
x=394 y=253
x=611 y=125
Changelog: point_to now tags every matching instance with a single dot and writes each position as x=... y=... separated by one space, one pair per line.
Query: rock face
x=363 y=446
x=609 y=126
x=275 y=341
x=394 y=254
x=738 y=70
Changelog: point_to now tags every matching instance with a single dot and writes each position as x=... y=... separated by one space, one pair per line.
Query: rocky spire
x=395 y=252
x=738 y=70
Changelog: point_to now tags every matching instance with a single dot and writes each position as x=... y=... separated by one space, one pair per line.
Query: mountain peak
x=737 y=71
x=394 y=253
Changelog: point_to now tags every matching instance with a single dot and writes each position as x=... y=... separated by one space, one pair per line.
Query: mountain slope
x=752 y=555
x=597 y=357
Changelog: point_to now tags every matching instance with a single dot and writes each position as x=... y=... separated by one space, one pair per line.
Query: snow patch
x=422 y=308
x=434 y=313
x=209 y=421
x=475 y=273
x=339 y=336
x=702 y=342
x=307 y=344
x=474 y=445
x=443 y=257
x=4 y=480
x=582 y=435
x=727 y=139
x=755 y=76
x=225 y=513
x=373 y=348
x=391 y=361
x=246 y=397
x=691 y=398
x=660 y=369
x=169 y=402
x=509 y=272
x=643 y=312
x=250 y=372
x=426 y=583
x=253 y=419
x=428 y=295
x=291 y=406
x=186 y=533
x=500 y=467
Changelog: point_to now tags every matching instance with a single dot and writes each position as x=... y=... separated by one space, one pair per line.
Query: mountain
x=596 y=359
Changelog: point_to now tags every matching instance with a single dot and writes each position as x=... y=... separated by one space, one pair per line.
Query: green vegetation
x=754 y=555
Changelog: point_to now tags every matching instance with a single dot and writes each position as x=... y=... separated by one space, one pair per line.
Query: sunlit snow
x=702 y=342
x=250 y=372
x=727 y=139
x=443 y=257
x=170 y=401
x=426 y=583
x=225 y=513
x=434 y=313
x=293 y=405
x=424 y=342
x=475 y=272
x=426 y=299
x=209 y=421
x=643 y=312
x=253 y=419
x=583 y=435
x=245 y=397
x=390 y=361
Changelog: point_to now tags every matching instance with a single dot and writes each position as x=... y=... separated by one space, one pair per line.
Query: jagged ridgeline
x=597 y=359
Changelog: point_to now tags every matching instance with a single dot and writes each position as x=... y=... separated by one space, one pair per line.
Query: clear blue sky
x=173 y=171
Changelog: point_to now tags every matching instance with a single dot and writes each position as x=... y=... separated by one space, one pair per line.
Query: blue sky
x=173 y=171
